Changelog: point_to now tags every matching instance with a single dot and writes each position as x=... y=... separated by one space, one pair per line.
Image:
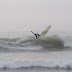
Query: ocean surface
x=22 y=52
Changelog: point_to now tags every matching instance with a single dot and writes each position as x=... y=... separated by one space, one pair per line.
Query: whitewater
x=21 y=50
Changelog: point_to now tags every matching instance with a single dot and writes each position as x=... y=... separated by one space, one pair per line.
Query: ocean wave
x=50 y=42
x=50 y=63
x=45 y=41
x=56 y=59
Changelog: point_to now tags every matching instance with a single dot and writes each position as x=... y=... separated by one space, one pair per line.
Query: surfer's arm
x=32 y=32
x=38 y=34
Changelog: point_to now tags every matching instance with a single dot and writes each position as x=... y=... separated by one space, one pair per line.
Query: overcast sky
x=27 y=15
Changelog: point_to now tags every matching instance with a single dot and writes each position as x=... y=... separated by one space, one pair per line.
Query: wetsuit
x=36 y=34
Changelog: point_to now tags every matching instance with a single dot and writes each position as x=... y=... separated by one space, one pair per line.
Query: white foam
x=52 y=60
x=67 y=44
x=67 y=40
x=52 y=63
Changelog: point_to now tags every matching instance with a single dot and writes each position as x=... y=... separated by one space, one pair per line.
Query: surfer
x=36 y=35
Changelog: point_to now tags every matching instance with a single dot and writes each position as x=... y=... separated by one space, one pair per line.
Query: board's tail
x=46 y=30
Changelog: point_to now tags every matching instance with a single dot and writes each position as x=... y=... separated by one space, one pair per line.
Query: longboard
x=45 y=31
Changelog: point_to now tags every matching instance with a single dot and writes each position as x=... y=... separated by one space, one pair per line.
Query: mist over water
x=54 y=40
x=20 y=51
x=23 y=50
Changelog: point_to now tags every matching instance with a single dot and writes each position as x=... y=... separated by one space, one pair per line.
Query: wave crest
x=51 y=43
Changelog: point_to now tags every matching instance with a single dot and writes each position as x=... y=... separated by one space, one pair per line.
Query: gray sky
x=27 y=15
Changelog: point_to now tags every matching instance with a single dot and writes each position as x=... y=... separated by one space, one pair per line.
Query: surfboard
x=45 y=31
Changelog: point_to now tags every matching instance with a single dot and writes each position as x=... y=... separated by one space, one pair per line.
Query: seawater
x=21 y=51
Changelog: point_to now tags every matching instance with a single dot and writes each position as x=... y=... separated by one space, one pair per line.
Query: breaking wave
x=50 y=43
x=50 y=63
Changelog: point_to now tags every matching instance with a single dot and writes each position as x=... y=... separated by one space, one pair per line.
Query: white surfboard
x=45 y=31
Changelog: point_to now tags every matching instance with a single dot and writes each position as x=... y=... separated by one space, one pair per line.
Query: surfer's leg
x=36 y=37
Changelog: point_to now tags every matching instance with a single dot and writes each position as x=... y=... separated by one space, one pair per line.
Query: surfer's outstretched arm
x=36 y=35
x=33 y=32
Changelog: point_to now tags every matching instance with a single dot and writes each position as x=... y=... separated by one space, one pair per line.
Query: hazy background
x=27 y=15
